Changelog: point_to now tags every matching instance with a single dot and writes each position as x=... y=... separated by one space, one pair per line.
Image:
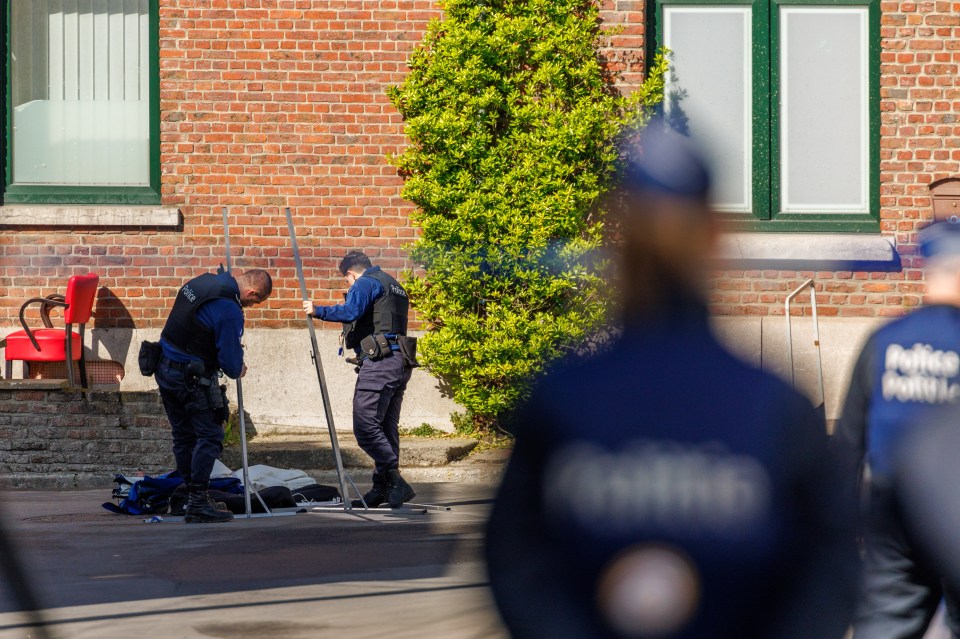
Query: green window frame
x=767 y=115
x=142 y=194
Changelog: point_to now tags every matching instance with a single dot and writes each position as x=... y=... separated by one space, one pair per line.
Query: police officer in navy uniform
x=662 y=487
x=906 y=377
x=374 y=318
x=202 y=337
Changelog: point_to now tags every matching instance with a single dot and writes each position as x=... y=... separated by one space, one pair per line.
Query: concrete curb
x=314 y=451
x=485 y=467
x=463 y=475
x=422 y=459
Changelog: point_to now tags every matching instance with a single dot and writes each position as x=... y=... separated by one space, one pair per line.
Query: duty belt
x=177 y=366
x=182 y=366
x=361 y=356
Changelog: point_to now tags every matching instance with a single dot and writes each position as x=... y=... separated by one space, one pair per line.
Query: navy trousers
x=901 y=591
x=376 y=409
x=197 y=434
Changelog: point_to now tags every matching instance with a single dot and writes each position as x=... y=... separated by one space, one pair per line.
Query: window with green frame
x=784 y=94
x=82 y=98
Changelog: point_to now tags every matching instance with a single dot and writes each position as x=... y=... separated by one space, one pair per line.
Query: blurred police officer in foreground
x=907 y=370
x=925 y=479
x=202 y=337
x=374 y=318
x=664 y=488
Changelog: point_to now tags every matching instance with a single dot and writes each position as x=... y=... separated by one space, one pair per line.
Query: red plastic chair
x=50 y=344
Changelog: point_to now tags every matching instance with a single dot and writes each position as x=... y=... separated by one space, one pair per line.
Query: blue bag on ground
x=151 y=495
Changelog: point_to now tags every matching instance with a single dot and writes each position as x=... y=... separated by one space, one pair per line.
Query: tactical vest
x=184 y=330
x=387 y=315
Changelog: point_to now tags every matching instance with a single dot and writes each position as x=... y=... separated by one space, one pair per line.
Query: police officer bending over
x=202 y=337
x=907 y=370
x=374 y=318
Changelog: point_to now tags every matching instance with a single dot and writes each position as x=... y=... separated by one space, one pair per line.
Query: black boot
x=376 y=495
x=398 y=490
x=178 y=501
x=201 y=509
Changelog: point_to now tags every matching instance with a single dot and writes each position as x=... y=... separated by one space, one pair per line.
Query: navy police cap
x=667 y=162
x=940 y=239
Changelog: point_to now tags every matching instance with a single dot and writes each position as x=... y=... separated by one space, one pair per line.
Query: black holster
x=206 y=392
x=408 y=348
x=375 y=346
x=149 y=357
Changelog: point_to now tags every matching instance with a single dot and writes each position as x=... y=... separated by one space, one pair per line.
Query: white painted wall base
x=762 y=342
x=281 y=391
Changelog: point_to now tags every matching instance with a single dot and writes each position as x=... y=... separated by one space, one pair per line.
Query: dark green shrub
x=512 y=121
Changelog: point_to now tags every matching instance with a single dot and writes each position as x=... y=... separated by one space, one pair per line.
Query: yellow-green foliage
x=512 y=123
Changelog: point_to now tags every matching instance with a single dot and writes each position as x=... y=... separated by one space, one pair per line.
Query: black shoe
x=178 y=505
x=203 y=510
x=178 y=501
x=375 y=496
x=398 y=490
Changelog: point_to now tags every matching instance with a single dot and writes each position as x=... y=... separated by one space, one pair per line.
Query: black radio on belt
x=196 y=373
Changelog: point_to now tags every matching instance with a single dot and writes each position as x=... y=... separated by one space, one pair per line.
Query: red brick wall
x=264 y=105
x=282 y=103
x=920 y=143
x=624 y=51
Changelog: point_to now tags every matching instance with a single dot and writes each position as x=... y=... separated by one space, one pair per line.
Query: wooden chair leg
x=8 y=369
x=83 y=361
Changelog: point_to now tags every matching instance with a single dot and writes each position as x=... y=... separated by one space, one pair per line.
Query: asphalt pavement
x=369 y=574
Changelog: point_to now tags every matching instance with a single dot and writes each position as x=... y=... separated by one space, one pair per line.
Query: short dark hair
x=260 y=279
x=354 y=259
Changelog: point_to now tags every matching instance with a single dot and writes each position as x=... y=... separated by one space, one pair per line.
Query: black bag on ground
x=274 y=496
x=149 y=357
x=408 y=348
x=316 y=492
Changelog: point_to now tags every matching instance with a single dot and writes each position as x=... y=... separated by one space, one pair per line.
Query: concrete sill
x=92 y=216
x=808 y=252
x=33 y=384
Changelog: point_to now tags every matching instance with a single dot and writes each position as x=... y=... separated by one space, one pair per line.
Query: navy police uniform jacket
x=206 y=323
x=376 y=303
x=907 y=369
x=666 y=441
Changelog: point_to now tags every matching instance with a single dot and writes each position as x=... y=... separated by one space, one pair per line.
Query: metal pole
x=816 y=342
x=243 y=422
x=315 y=355
x=816 y=336
x=786 y=312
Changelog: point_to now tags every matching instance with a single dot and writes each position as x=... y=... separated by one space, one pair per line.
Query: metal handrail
x=816 y=336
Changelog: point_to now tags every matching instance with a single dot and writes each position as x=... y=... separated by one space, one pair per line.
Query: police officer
x=374 y=318
x=663 y=488
x=926 y=480
x=907 y=370
x=202 y=337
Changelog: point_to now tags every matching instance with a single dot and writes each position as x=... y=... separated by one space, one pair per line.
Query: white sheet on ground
x=262 y=476
x=220 y=470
